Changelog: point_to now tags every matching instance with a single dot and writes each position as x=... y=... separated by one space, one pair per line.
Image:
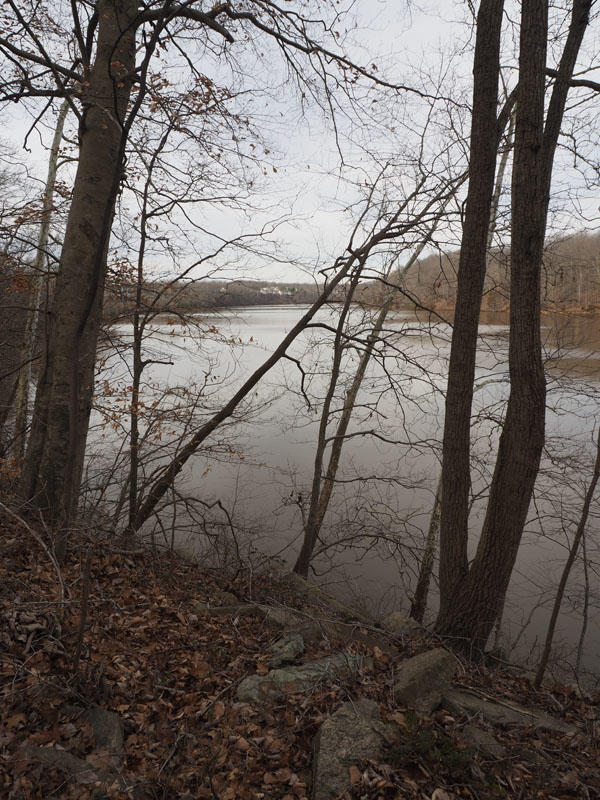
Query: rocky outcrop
x=353 y=733
x=422 y=680
x=289 y=680
x=508 y=714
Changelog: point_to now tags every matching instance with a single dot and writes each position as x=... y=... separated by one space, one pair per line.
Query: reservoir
x=246 y=491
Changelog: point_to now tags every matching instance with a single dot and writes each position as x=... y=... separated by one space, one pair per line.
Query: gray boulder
x=353 y=733
x=70 y=766
x=509 y=714
x=102 y=766
x=274 y=616
x=289 y=680
x=286 y=650
x=483 y=742
x=422 y=680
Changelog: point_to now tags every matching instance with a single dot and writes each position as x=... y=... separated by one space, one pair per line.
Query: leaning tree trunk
x=54 y=458
x=468 y=614
x=322 y=488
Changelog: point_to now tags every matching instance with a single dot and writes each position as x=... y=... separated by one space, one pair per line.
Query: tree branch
x=182 y=11
x=587 y=84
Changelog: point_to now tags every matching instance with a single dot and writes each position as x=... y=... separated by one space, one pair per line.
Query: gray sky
x=309 y=185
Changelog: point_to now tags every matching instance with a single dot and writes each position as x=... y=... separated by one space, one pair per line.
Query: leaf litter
x=152 y=650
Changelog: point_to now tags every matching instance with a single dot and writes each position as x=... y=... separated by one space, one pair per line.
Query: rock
x=108 y=732
x=102 y=766
x=499 y=714
x=286 y=650
x=288 y=680
x=483 y=742
x=423 y=679
x=354 y=732
x=315 y=594
x=399 y=625
x=70 y=766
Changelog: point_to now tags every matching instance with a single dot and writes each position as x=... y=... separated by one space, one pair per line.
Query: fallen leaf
x=355 y=775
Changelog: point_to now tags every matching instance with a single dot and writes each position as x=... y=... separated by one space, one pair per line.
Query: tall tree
x=471 y=275
x=472 y=595
x=106 y=81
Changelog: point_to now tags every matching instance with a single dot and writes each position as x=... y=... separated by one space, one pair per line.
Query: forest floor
x=132 y=634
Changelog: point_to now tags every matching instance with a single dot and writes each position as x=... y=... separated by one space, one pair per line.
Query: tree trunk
x=419 y=602
x=469 y=610
x=322 y=491
x=456 y=479
x=31 y=325
x=315 y=517
x=54 y=459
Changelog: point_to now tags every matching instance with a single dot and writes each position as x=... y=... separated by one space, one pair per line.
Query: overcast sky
x=309 y=185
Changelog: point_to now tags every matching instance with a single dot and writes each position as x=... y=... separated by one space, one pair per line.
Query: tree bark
x=456 y=478
x=469 y=610
x=418 y=607
x=54 y=458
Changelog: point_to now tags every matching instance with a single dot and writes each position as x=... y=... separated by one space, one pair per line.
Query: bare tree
x=573 y=552
x=106 y=84
x=472 y=596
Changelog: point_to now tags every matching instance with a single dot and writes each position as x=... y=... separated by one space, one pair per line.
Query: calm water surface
x=261 y=468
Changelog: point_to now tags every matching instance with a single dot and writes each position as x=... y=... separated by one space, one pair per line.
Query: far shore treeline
x=571 y=282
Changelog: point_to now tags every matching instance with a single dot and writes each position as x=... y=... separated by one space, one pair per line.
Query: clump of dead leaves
x=132 y=634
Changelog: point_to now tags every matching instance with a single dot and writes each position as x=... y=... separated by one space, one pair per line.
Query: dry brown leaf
x=441 y=794
x=355 y=775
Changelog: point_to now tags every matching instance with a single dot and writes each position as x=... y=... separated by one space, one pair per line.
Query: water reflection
x=390 y=464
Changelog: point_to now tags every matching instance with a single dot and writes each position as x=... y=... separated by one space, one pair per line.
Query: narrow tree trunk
x=31 y=325
x=138 y=364
x=456 y=479
x=310 y=534
x=419 y=602
x=586 y=608
x=579 y=534
x=321 y=491
x=54 y=459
